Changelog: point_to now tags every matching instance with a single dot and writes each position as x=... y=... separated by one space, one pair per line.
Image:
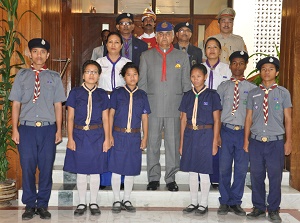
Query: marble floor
x=144 y=215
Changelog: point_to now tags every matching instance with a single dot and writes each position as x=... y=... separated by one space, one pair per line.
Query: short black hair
x=199 y=67
x=91 y=62
x=116 y=34
x=103 y=31
x=127 y=66
x=215 y=39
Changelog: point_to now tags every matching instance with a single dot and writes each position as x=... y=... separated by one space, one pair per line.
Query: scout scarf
x=195 y=109
x=128 y=128
x=113 y=72
x=164 y=62
x=37 y=87
x=265 y=103
x=89 y=105
x=236 y=94
x=211 y=73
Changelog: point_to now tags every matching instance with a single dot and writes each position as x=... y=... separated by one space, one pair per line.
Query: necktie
x=37 y=87
x=128 y=128
x=164 y=62
x=126 y=48
x=236 y=94
x=211 y=74
x=89 y=105
x=265 y=103
x=195 y=109
x=113 y=72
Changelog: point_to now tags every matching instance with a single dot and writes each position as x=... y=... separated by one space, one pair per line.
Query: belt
x=88 y=127
x=118 y=129
x=108 y=92
x=198 y=127
x=36 y=123
x=233 y=127
x=267 y=138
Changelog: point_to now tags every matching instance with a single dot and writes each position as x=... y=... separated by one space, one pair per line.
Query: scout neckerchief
x=113 y=72
x=126 y=47
x=37 y=87
x=211 y=73
x=164 y=62
x=89 y=105
x=128 y=128
x=236 y=94
x=265 y=103
x=195 y=109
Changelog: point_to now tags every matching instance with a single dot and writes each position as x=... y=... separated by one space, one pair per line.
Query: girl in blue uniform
x=199 y=136
x=88 y=135
x=129 y=107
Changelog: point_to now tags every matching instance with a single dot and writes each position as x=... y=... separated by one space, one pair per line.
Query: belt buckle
x=195 y=127
x=264 y=139
x=236 y=127
x=128 y=130
x=86 y=127
x=38 y=124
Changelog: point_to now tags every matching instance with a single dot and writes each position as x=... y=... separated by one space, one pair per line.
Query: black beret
x=123 y=16
x=183 y=24
x=239 y=54
x=272 y=60
x=39 y=43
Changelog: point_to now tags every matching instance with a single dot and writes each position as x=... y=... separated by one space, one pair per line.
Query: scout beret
x=272 y=60
x=227 y=12
x=239 y=54
x=38 y=43
x=183 y=24
x=123 y=16
x=148 y=13
x=164 y=26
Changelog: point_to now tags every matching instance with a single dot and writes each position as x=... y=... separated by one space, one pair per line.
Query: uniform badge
x=177 y=66
x=164 y=25
x=224 y=76
x=256 y=107
x=244 y=102
x=205 y=103
x=187 y=24
x=128 y=14
x=277 y=106
x=43 y=42
x=271 y=60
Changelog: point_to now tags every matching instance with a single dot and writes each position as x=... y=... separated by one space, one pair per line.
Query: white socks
x=116 y=182
x=94 y=187
x=194 y=187
x=82 y=187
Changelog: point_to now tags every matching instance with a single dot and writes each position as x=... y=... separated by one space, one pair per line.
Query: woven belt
x=118 y=129
x=267 y=138
x=37 y=123
x=198 y=127
x=233 y=127
x=88 y=127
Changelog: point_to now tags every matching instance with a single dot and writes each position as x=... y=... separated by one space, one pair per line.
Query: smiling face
x=212 y=49
x=226 y=25
x=39 y=57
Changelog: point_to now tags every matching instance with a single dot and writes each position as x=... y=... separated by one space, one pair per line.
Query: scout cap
x=183 y=24
x=123 y=16
x=164 y=26
x=148 y=13
x=239 y=54
x=227 y=12
x=39 y=43
x=272 y=60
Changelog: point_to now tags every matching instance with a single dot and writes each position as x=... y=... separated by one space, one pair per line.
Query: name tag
x=225 y=77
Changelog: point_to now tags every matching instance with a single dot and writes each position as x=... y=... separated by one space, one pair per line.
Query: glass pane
x=101 y=6
x=133 y=6
x=173 y=7
x=201 y=36
x=209 y=6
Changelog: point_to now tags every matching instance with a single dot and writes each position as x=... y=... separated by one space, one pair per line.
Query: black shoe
x=273 y=216
x=223 y=209
x=172 y=186
x=80 y=211
x=43 y=213
x=201 y=211
x=94 y=209
x=127 y=206
x=237 y=210
x=153 y=185
x=190 y=209
x=116 y=208
x=256 y=213
x=28 y=214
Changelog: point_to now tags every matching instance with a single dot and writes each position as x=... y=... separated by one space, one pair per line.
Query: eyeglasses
x=91 y=72
x=125 y=23
x=185 y=31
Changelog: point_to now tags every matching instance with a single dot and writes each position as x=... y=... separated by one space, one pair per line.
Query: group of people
x=132 y=97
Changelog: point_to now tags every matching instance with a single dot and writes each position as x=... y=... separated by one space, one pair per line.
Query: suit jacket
x=195 y=54
x=164 y=96
x=139 y=46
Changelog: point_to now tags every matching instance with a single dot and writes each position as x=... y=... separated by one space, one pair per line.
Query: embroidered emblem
x=205 y=103
x=164 y=25
x=135 y=47
x=277 y=106
x=245 y=102
x=246 y=92
x=225 y=77
x=256 y=107
x=145 y=111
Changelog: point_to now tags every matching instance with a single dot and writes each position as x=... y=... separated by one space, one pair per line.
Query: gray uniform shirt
x=52 y=91
x=164 y=96
x=97 y=52
x=226 y=92
x=279 y=99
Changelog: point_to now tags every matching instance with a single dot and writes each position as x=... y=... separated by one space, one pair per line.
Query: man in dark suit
x=132 y=46
x=183 y=33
